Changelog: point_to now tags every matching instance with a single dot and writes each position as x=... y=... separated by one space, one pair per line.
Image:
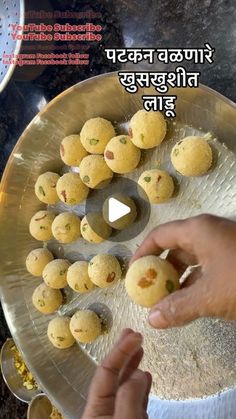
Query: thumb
x=180 y=308
x=131 y=396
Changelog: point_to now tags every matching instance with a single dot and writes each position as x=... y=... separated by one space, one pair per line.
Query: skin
x=210 y=290
x=119 y=388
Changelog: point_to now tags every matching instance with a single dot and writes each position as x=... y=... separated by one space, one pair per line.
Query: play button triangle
x=117 y=210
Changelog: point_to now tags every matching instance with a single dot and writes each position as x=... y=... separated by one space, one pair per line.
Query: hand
x=119 y=389
x=210 y=291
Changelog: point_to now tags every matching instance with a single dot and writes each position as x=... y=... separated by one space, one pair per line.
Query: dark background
x=149 y=23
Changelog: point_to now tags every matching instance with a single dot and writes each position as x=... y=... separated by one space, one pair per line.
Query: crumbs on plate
x=56 y=414
x=27 y=378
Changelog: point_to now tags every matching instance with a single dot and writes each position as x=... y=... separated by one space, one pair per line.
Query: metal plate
x=65 y=375
x=11 y=12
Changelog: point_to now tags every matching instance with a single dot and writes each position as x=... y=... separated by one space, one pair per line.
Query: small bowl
x=11 y=376
x=40 y=407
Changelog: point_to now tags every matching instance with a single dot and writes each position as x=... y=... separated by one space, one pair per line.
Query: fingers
x=149 y=384
x=122 y=353
x=193 y=277
x=106 y=378
x=132 y=365
x=181 y=307
x=176 y=234
x=124 y=333
x=131 y=396
x=181 y=260
x=148 y=247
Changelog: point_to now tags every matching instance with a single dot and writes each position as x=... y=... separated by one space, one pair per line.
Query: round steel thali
x=169 y=355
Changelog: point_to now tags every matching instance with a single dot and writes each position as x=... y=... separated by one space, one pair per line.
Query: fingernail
x=138 y=375
x=148 y=375
x=138 y=336
x=157 y=319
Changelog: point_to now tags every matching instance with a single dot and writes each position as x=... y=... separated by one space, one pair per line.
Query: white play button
x=117 y=210
x=122 y=208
